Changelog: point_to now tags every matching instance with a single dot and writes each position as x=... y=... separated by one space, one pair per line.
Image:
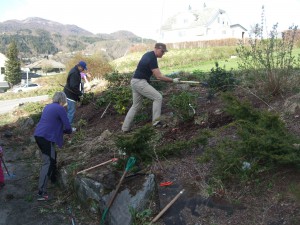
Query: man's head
x=82 y=66
x=160 y=49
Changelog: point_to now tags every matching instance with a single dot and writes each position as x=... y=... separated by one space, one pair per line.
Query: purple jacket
x=53 y=124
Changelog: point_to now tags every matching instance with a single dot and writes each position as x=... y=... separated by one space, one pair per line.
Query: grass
x=7 y=118
x=203 y=66
x=186 y=60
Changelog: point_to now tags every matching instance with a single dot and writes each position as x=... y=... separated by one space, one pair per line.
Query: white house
x=3 y=84
x=197 y=25
x=2 y=66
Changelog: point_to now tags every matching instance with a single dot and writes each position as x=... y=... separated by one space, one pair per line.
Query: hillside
x=270 y=199
x=36 y=23
x=37 y=37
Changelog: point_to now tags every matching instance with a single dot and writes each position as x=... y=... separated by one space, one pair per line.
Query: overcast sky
x=144 y=17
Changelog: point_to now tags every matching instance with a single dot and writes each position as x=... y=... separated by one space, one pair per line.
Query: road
x=9 y=105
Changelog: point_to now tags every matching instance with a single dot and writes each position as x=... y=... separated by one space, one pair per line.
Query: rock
x=28 y=123
x=119 y=213
x=93 y=195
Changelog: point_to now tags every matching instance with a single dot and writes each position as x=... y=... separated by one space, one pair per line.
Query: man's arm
x=158 y=75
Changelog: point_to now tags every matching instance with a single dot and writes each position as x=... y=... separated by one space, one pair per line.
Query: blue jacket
x=53 y=124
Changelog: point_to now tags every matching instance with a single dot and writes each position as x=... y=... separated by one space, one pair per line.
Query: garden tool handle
x=5 y=166
x=167 y=206
x=130 y=163
x=101 y=164
x=117 y=189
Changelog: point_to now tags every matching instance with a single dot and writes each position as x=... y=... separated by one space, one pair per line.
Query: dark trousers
x=48 y=162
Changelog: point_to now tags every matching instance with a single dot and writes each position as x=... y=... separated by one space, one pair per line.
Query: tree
x=12 y=65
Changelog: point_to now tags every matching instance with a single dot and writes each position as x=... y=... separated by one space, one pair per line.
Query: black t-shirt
x=147 y=63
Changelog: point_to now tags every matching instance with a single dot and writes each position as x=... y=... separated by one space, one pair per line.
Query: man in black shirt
x=73 y=88
x=147 y=67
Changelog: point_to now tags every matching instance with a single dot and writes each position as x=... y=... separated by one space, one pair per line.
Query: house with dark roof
x=197 y=25
x=45 y=66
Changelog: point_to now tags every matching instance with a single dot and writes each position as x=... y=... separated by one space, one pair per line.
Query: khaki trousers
x=141 y=88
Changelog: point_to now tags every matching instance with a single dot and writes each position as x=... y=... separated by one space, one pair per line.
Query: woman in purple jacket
x=49 y=131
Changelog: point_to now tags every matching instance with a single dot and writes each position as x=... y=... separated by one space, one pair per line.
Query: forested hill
x=37 y=37
x=35 y=23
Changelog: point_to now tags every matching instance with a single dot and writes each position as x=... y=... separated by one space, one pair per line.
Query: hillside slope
x=271 y=199
x=40 y=37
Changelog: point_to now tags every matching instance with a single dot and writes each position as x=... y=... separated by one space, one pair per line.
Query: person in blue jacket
x=48 y=133
x=73 y=88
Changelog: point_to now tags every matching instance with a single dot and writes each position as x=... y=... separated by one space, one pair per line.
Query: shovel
x=205 y=84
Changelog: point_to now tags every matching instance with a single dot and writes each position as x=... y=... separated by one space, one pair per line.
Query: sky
x=144 y=17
